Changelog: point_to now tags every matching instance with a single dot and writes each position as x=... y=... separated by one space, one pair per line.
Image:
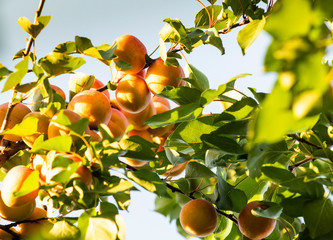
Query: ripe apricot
x=42 y=126
x=138 y=119
x=16 y=213
x=198 y=217
x=16 y=116
x=130 y=50
x=175 y=170
x=13 y=182
x=28 y=228
x=39 y=163
x=93 y=105
x=145 y=135
x=98 y=84
x=252 y=226
x=95 y=137
x=59 y=91
x=118 y=123
x=132 y=94
x=160 y=75
x=56 y=129
x=161 y=100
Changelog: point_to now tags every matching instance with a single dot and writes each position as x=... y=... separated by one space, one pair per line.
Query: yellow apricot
x=13 y=182
x=19 y=213
x=198 y=217
x=98 y=84
x=28 y=228
x=118 y=123
x=138 y=119
x=92 y=105
x=132 y=94
x=130 y=50
x=252 y=226
x=42 y=127
x=160 y=75
x=16 y=116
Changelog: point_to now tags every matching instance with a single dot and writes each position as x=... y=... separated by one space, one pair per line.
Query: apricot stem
x=285 y=228
x=305 y=160
x=208 y=13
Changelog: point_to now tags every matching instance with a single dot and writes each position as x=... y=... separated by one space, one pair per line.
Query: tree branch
x=38 y=13
x=302 y=140
x=8 y=148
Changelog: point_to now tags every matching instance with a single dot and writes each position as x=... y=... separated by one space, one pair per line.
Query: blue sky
x=104 y=20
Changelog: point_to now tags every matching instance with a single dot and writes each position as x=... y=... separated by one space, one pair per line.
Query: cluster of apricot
x=198 y=217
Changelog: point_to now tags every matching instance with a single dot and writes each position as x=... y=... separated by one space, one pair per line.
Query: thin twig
x=302 y=140
x=31 y=39
x=305 y=160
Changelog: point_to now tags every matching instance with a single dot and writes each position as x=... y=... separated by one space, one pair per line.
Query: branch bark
x=8 y=148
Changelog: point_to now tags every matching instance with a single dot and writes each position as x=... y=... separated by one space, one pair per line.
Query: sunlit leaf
x=36 y=28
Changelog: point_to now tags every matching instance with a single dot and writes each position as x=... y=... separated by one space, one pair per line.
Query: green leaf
x=202 y=17
x=78 y=82
x=297 y=15
x=121 y=186
x=213 y=38
x=229 y=198
x=197 y=170
x=181 y=95
x=175 y=157
x=4 y=72
x=318 y=217
x=27 y=127
x=273 y=210
x=59 y=143
x=62 y=230
x=34 y=29
x=224 y=144
x=16 y=77
x=66 y=47
x=149 y=180
x=165 y=205
x=22 y=157
x=137 y=148
x=239 y=110
x=249 y=33
x=30 y=184
x=180 y=114
x=197 y=78
x=99 y=228
x=56 y=63
x=265 y=154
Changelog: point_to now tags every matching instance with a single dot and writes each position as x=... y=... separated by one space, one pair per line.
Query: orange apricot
x=16 y=116
x=92 y=105
x=145 y=135
x=28 y=228
x=56 y=129
x=42 y=127
x=252 y=226
x=13 y=182
x=132 y=94
x=198 y=217
x=98 y=84
x=118 y=123
x=130 y=50
x=19 y=213
x=59 y=91
x=161 y=100
x=95 y=137
x=138 y=119
x=160 y=75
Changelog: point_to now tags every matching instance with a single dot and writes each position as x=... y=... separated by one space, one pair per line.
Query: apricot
x=59 y=91
x=160 y=131
x=28 y=228
x=37 y=99
x=118 y=123
x=145 y=135
x=198 y=217
x=16 y=213
x=13 y=182
x=138 y=119
x=98 y=84
x=161 y=100
x=42 y=127
x=56 y=129
x=16 y=116
x=132 y=94
x=252 y=226
x=175 y=170
x=92 y=105
x=130 y=50
x=160 y=75
x=39 y=164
